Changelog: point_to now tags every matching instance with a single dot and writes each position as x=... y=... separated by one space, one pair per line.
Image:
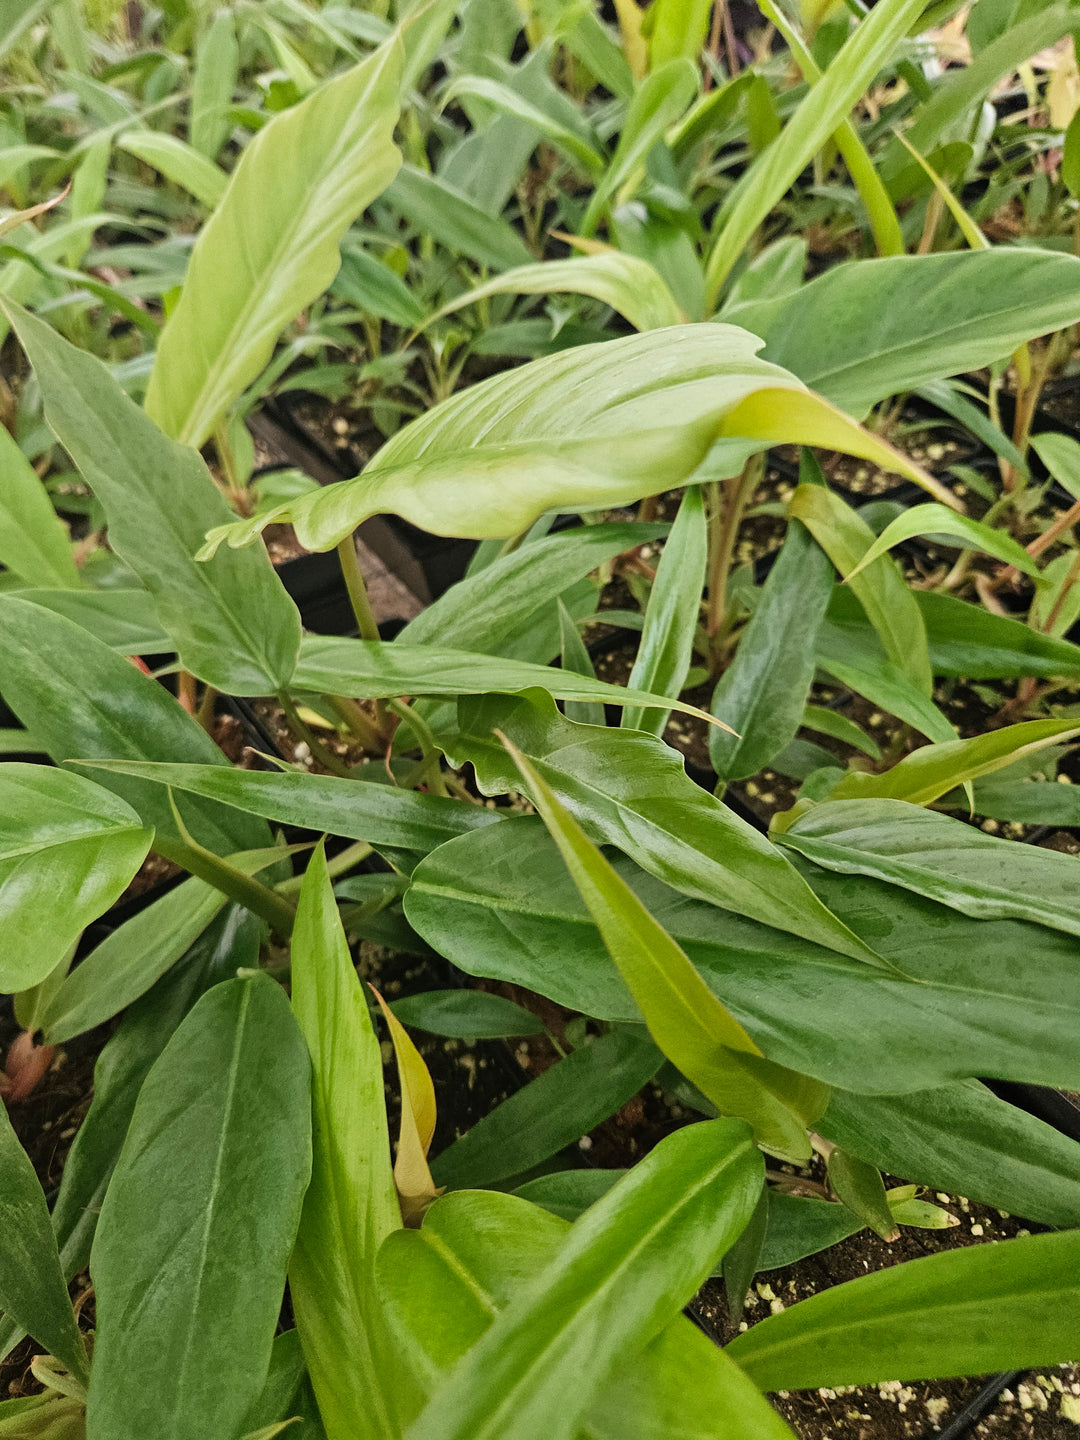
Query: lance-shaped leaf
x=350 y=1206
x=84 y=701
x=372 y=670
x=858 y=1185
x=445 y=1284
x=625 y=1271
x=232 y=622
x=501 y=905
x=965 y=1312
x=34 y=544
x=941 y=858
x=33 y=1291
x=690 y=1025
x=178 y=162
x=880 y=590
x=563 y=1103
x=358 y=809
x=632 y=287
x=961 y=1138
x=185 y=1267
x=68 y=849
x=927 y=773
x=125 y=620
x=415 y=1187
x=667 y=636
x=466 y=1014
x=868 y=329
x=271 y=246
x=763 y=691
x=587 y=428
x=939 y=520
x=630 y=790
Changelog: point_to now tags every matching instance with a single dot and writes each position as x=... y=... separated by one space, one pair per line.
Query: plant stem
x=302 y=733
x=339 y=865
x=429 y=766
x=729 y=501
x=244 y=889
x=363 y=729
x=354 y=583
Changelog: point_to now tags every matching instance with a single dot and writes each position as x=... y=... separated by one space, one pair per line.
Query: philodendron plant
x=834 y=989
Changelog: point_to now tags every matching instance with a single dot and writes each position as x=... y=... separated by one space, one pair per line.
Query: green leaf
x=130 y=960
x=216 y=62
x=444 y=1284
x=940 y=858
x=831 y=722
x=630 y=286
x=575 y=656
x=466 y=1014
x=939 y=520
x=125 y=620
x=826 y=105
x=858 y=1185
x=963 y=1140
x=481 y=611
x=33 y=1291
x=351 y=1205
x=567 y=1193
x=679 y=28
x=798 y=1228
x=84 y=701
x=1070 y=160
x=689 y=1024
x=632 y=791
x=357 y=809
x=927 y=773
x=371 y=669
x=1029 y=802
x=587 y=428
x=659 y=101
x=963 y=1312
x=178 y=162
x=762 y=693
x=868 y=329
x=68 y=849
x=370 y=285
x=435 y=207
x=624 y=1272
x=271 y=246
x=565 y=1102
x=1061 y=456
x=185 y=1268
x=880 y=589
x=576 y=141
x=501 y=906
x=233 y=623
x=667 y=636
x=34 y=543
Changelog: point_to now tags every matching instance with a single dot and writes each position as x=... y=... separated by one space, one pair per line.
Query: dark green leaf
x=799 y=1227
x=552 y=1111
x=185 y=1269
x=859 y=1186
x=762 y=694
x=468 y=1014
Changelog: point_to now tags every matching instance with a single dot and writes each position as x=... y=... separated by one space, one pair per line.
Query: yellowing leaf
x=415 y=1187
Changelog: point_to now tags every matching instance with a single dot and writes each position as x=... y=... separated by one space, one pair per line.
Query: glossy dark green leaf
x=943 y=859
x=624 y=1272
x=357 y=809
x=479 y=612
x=68 y=849
x=563 y=1103
x=284 y=1378
x=1028 y=802
x=743 y=1260
x=880 y=589
x=370 y=670
x=231 y=620
x=962 y=1312
x=185 y=1269
x=84 y=701
x=33 y=1291
x=926 y=774
x=872 y=328
x=466 y=1014
x=351 y=1205
x=798 y=1227
x=567 y=1193
x=763 y=692
x=501 y=906
x=632 y=791
x=962 y=1139
x=667 y=637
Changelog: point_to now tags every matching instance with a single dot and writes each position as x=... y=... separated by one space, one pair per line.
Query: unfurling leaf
x=415 y=1187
